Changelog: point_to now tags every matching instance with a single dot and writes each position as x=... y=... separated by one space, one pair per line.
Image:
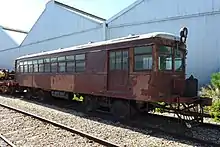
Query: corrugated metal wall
x=202 y=17
x=5 y=42
x=57 y=27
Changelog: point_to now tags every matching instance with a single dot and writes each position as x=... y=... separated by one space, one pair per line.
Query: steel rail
x=83 y=134
x=184 y=137
x=178 y=135
x=157 y=129
x=7 y=141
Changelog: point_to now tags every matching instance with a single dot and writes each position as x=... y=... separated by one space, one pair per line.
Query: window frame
x=122 y=57
x=35 y=64
x=39 y=64
x=80 y=60
x=173 y=53
x=141 y=54
x=172 y=57
x=183 y=59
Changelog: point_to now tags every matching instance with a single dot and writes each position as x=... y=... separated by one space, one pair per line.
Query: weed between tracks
x=213 y=91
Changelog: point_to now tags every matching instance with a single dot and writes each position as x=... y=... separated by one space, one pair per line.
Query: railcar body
x=7 y=83
x=132 y=70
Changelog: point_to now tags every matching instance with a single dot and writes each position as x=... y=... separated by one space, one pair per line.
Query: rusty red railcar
x=126 y=75
x=7 y=83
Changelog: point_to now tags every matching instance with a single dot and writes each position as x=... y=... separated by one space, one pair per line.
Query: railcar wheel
x=28 y=94
x=89 y=104
x=11 y=91
x=47 y=96
x=40 y=95
x=4 y=89
x=44 y=96
x=122 y=110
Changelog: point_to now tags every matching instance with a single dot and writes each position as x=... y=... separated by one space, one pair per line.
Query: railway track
x=180 y=132
x=22 y=128
x=5 y=142
x=204 y=134
x=165 y=126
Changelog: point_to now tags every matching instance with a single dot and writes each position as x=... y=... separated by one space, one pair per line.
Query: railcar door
x=118 y=70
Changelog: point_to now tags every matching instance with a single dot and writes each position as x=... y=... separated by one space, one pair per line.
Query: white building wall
x=202 y=18
x=57 y=27
x=6 y=42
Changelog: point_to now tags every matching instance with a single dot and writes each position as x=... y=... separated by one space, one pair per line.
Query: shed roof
x=112 y=41
x=124 y=11
x=80 y=12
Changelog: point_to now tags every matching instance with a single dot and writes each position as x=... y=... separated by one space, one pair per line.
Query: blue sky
x=22 y=14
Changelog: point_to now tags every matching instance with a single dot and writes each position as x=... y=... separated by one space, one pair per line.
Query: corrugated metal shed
x=200 y=16
x=59 y=26
x=6 y=42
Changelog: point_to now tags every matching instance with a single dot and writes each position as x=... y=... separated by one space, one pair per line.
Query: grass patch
x=213 y=91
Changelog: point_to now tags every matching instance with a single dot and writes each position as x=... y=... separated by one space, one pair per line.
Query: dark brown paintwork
x=97 y=80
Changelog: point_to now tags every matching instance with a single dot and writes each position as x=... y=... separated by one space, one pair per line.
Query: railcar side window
x=35 y=66
x=61 y=58
x=41 y=65
x=21 y=67
x=53 y=65
x=30 y=66
x=165 y=58
x=61 y=67
x=70 y=66
x=143 y=58
x=80 y=66
x=53 y=60
x=80 y=63
x=72 y=63
x=112 y=60
x=25 y=67
x=118 y=60
x=125 y=59
x=80 y=57
x=179 y=60
x=61 y=64
x=68 y=58
x=47 y=65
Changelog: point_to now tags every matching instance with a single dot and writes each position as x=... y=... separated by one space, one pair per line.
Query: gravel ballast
x=24 y=130
x=103 y=129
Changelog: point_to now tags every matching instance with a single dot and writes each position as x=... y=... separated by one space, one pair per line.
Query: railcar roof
x=108 y=42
